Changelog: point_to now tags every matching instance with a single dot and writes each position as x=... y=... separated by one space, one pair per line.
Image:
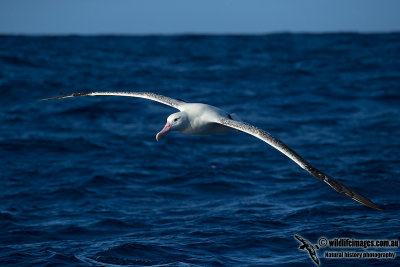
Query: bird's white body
x=202 y=119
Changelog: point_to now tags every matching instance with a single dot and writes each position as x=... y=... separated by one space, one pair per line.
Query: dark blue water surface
x=84 y=182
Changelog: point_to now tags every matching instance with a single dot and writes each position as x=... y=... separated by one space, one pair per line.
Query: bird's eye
x=176 y=119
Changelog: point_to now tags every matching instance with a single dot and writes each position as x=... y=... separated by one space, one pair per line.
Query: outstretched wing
x=158 y=98
x=279 y=145
x=313 y=254
x=302 y=240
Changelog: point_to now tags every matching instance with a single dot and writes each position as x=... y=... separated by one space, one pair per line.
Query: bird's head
x=175 y=122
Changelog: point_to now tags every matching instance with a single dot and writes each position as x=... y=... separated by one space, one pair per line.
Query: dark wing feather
x=301 y=239
x=313 y=254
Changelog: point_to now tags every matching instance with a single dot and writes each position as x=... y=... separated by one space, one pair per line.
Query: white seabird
x=202 y=119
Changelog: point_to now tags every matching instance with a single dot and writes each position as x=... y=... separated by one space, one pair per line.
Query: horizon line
x=202 y=33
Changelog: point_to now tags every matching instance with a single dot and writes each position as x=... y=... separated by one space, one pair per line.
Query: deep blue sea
x=84 y=182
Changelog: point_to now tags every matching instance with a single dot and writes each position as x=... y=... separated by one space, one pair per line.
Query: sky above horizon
x=189 y=16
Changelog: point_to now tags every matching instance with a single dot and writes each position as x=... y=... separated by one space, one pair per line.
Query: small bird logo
x=310 y=248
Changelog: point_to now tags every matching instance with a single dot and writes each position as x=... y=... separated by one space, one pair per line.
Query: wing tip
x=380 y=209
x=365 y=201
x=63 y=96
x=359 y=198
x=342 y=189
x=375 y=207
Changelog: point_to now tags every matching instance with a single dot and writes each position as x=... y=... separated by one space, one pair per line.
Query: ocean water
x=84 y=182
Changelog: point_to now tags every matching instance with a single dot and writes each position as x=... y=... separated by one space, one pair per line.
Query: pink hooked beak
x=166 y=129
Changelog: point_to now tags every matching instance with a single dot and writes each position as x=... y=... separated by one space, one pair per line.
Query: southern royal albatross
x=201 y=119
